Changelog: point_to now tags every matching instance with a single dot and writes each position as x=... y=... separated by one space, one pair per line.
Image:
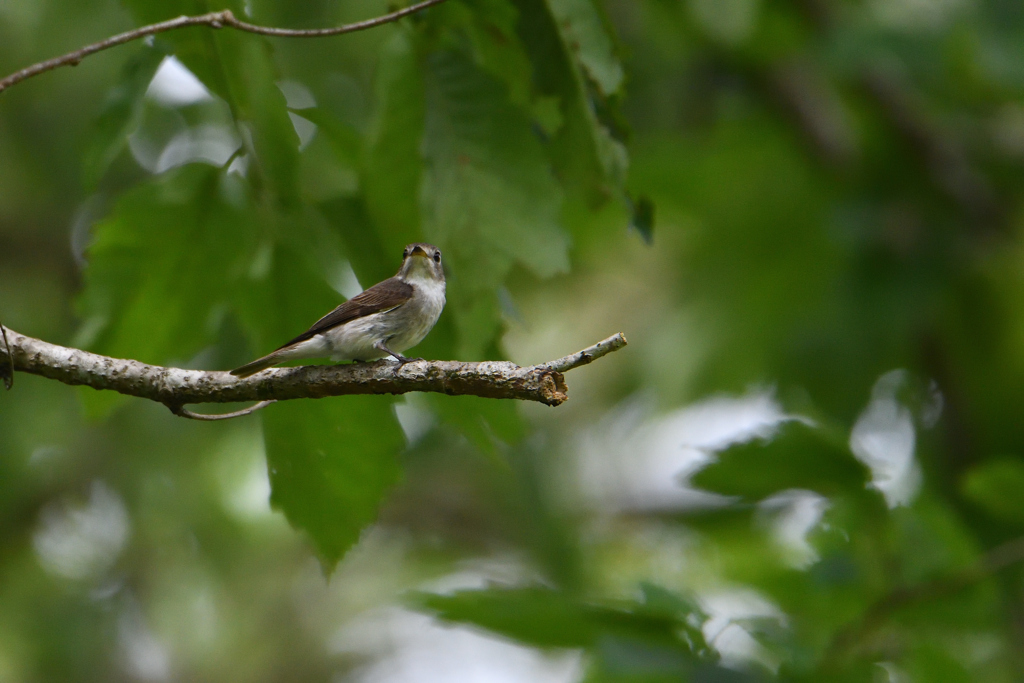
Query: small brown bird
x=384 y=320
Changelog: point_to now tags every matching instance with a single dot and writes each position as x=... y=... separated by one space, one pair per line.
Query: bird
x=384 y=320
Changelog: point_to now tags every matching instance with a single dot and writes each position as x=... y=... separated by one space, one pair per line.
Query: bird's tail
x=267 y=361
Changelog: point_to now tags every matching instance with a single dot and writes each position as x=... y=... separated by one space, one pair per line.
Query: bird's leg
x=381 y=345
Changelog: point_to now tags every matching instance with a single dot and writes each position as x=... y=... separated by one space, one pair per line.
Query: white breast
x=400 y=328
x=417 y=317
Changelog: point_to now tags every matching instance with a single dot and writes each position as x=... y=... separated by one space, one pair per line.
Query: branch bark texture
x=221 y=19
x=175 y=387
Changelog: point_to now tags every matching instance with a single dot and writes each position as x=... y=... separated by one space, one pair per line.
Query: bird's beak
x=418 y=251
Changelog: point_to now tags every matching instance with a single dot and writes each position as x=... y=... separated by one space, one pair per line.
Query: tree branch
x=221 y=19
x=587 y=355
x=7 y=371
x=176 y=388
x=997 y=559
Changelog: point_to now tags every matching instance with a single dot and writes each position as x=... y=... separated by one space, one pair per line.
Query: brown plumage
x=387 y=318
x=382 y=296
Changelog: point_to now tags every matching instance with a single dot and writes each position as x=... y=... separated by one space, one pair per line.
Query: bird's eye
x=405 y=254
x=437 y=257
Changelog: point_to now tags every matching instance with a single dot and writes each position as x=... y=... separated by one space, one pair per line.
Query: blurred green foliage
x=808 y=211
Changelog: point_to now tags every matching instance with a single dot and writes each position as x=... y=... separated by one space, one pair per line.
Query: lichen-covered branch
x=587 y=355
x=176 y=388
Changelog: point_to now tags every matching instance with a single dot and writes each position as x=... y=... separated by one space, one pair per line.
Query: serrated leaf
x=259 y=104
x=536 y=616
x=586 y=32
x=393 y=165
x=488 y=181
x=588 y=158
x=120 y=115
x=490 y=26
x=550 y=618
x=162 y=266
x=798 y=457
x=237 y=67
x=331 y=462
x=489 y=197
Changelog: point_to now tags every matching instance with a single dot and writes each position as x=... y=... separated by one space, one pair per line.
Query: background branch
x=221 y=19
x=997 y=559
x=175 y=387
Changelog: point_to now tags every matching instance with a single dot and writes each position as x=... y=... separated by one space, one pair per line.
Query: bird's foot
x=402 y=360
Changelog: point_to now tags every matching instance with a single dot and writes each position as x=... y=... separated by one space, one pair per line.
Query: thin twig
x=587 y=355
x=320 y=32
x=181 y=411
x=8 y=372
x=221 y=19
x=543 y=383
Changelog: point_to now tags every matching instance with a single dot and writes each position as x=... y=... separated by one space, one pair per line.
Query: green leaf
x=393 y=166
x=259 y=105
x=238 y=67
x=487 y=176
x=120 y=115
x=536 y=616
x=997 y=486
x=331 y=462
x=642 y=217
x=799 y=457
x=656 y=638
x=489 y=196
x=660 y=601
x=195 y=47
x=343 y=137
x=587 y=33
x=589 y=159
x=485 y=422
x=163 y=265
x=370 y=258
x=551 y=618
x=490 y=26
x=285 y=293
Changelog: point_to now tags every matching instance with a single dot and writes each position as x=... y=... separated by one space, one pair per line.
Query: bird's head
x=421 y=261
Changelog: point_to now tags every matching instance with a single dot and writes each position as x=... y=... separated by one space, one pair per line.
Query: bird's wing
x=383 y=296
